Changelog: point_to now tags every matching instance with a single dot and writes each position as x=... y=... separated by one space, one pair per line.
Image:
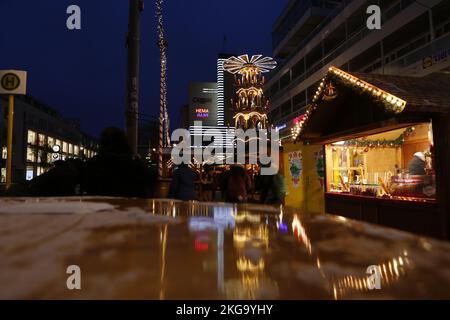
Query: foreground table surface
x=159 y=249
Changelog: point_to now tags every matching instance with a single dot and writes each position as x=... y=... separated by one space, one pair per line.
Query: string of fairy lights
x=164 y=139
x=327 y=91
x=378 y=143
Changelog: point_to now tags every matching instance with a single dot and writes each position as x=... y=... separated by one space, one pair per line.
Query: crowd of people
x=231 y=184
x=115 y=171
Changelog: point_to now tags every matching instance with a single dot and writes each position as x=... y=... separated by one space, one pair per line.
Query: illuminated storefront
x=385 y=141
x=398 y=163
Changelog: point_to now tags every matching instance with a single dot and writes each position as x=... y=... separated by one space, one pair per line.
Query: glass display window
x=397 y=163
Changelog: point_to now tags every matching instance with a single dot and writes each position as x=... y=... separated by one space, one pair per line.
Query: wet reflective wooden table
x=161 y=249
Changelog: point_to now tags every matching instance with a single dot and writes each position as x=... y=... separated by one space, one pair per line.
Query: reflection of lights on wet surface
x=390 y=272
x=200 y=245
x=300 y=232
x=256 y=237
x=246 y=216
x=426 y=245
x=283 y=227
x=223 y=216
x=245 y=265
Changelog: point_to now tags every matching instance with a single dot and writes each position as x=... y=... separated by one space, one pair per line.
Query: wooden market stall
x=386 y=141
x=304 y=173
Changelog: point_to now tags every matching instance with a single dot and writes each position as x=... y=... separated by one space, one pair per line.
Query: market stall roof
x=369 y=98
x=421 y=94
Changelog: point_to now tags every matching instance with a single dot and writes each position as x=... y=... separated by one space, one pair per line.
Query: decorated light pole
x=133 y=45
x=164 y=139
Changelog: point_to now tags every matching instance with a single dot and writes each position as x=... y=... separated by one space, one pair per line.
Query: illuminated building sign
x=202 y=112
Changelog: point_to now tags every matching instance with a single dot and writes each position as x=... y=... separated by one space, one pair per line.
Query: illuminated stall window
x=31 y=137
x=397 y=163
x=76 y=150
x=4 y=152
x=58 y=143
x=65 y=147
x=70 y=148
x=3 y=175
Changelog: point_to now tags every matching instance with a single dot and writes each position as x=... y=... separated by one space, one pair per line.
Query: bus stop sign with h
x=12 y=82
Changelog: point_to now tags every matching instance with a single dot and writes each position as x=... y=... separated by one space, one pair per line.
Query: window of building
x=40 y=170
x=285 y=80
x=274 y=114
x=274 y=89
x=286 y=108
x=4 y=152
x=42 y=156
x=298 y=69
x=50 y=142
x=299 y=100
x=58 y=143
x=31 y=155
x=70 y=148
x=29 y=175
x=31 y=137
x=3 y=175
x=65 y=147
x=76 y=150
x=397 y=163
x=41 y=140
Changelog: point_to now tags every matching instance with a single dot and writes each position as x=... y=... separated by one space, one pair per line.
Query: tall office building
x=204 y=107
x=225 y=92
x=310 y=36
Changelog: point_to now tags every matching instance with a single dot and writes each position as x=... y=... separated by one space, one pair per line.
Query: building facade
x=41 y=137
x=310 y=36
x=203 y=103
x=225 y=92
x=206 y=105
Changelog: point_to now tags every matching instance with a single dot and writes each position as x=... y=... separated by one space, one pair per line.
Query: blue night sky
x=82 y=73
